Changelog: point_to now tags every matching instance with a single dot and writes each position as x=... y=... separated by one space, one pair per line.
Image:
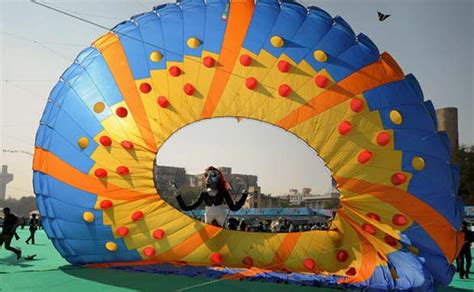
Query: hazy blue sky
x=432 y=39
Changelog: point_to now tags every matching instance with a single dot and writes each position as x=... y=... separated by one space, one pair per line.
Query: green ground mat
x=49 y=272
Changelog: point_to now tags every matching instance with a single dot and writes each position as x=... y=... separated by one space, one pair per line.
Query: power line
x=129 y=36
x=14 y=151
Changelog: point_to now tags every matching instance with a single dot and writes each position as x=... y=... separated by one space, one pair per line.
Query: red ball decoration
x=106 y=204
x=251 y=83
x=216 y=258
x=309 y=264
x=121 y=112
x=189 y=89
x=284 y=90
x=342 y=256
x=321 y=81
x=245 y=60
x=344 y=127
x=248 y=261
x=364 y=156
x=390 y=240
x=398 y=178
x=284 y=66
x=209 y=62
x=175 y=71
x=127 y=145
x=122 y=231
x=163 y=101
x=105 y=141
x=137 y=215
x=369 y=228
x=149 y=251
x=357 y=105
x=100 y=173
x=383 y=138
x=158 y=234
x=374 y=216
x=123 y=170
x=351 y=271
x=145 y=87
x=399 y=220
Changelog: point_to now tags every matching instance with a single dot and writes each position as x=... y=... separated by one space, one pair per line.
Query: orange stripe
x=240 y=14
x=111 y=48
x=383 y=71
x=432 y=222
x=190 y=244
x=48 y=163
x=368 y=255
x=284 y=250
x=252 y=272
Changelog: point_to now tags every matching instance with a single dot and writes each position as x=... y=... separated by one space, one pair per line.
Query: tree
x=21 y=207
x=465 y=158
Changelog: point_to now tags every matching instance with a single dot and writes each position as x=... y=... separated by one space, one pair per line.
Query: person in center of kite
x=217 y=190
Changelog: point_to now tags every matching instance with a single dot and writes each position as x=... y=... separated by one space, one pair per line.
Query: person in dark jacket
x=10 y=224
x=33 y=227
x=465 y=252
x=216 y=194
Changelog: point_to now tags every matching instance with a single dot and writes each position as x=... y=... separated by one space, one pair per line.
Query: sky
x=433 y=39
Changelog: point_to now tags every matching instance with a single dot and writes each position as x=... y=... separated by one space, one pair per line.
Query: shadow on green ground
x=49 y=272
x=143 y=281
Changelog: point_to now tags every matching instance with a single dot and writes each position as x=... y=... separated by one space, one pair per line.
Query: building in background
x=295 y=198
x=323 y=201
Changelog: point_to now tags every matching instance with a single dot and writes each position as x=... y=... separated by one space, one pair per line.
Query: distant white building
x=324 y=201
x=328 y=200
x=295 y=198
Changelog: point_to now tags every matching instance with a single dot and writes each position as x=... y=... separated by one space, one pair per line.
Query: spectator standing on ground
x=10 y=224
x=465 y=252
x=33 y=227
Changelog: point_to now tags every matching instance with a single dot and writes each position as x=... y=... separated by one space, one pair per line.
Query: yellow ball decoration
x=83 y=142
x=88 y=217
x=193 y=43
x=277 y=41
x=99 y=107
x=111 y=246
x=320 y=56
x=156 y=56
x=418 y=163
x=396 y=117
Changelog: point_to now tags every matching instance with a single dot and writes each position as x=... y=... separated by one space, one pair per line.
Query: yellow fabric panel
x=260 y=246
x=168 y=119
x=340 y=151
x=264 y=103
x=377 y=240
x=152 y=108
x=231 y=102
x=365 y=203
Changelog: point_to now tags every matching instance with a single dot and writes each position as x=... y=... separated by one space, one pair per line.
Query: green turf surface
x=49 y=272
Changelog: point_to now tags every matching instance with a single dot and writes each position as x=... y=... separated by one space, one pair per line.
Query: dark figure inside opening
x=217 y=191
x=10 y=223
x=33 y=227
x=465 y=253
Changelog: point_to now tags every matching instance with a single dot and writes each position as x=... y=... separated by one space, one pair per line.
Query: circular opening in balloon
x=288 y=186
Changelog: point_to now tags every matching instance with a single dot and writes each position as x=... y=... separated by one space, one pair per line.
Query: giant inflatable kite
x=280 y=63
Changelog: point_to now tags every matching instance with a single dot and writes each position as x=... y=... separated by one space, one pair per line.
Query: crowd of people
x=275 y=226
x=9 y=225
